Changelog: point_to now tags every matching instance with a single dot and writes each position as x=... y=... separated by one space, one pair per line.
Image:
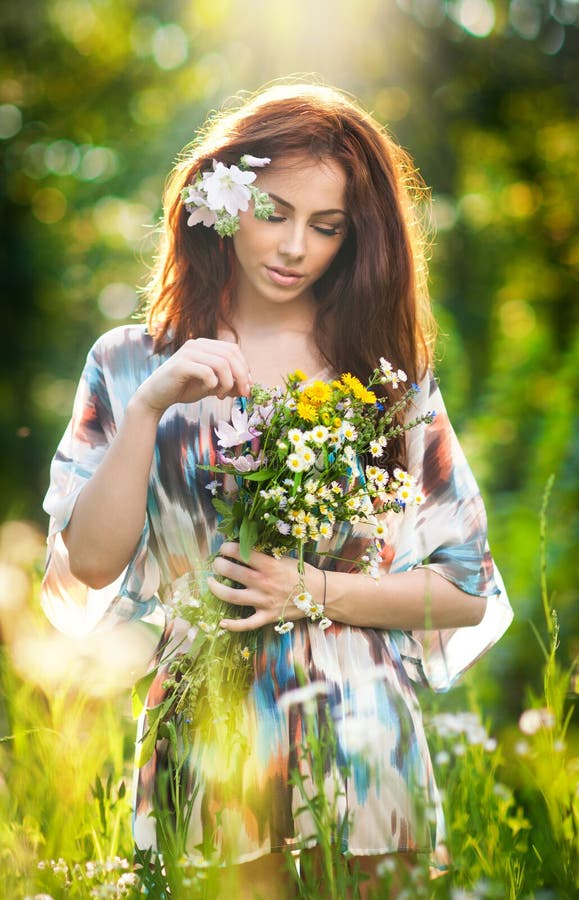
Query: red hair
x=373 y=299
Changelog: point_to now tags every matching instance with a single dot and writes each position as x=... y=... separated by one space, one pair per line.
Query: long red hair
x=373 y=300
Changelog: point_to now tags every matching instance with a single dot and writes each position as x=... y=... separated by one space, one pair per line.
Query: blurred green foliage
x=98 y=96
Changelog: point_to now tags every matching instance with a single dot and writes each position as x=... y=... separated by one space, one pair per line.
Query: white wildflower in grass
x=310 y=499
x=305 y=694
x=283 y=527
x=283 y=627
x=418 y=499
x=212 y=486
x=353 y=503
x=381 y=478
x=376 y=449
x=371 y=472
x=386 y=867
x=532 y=720
x=245 y=652
x=442 y=758
x=278 y=552
x=299 y=530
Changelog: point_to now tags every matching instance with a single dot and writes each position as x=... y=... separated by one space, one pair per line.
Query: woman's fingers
x=256 y=560
x=231 y=355
x=243 y=574
x=235 y=596
x=257 y=620
x=199 y=368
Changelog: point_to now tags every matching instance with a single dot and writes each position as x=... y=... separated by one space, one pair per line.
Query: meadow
x=66 y=752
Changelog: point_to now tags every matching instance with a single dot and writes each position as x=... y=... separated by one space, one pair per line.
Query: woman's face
x=279 y=259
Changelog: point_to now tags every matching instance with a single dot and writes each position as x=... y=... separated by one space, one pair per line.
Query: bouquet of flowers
x=293 y=463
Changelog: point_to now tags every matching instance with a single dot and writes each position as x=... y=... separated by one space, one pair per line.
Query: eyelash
x=327 y=232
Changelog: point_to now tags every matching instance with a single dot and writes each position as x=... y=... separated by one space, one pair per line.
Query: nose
x=293 y=241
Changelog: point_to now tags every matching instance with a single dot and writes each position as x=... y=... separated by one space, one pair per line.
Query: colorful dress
x=378 y=771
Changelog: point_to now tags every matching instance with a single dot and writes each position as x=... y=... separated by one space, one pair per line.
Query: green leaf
x=260 y=475
x=140 y=691
x=221 y=506
x=247 y=538
x=155 y=716
x=147 y=745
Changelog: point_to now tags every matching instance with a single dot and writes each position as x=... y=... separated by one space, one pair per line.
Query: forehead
x=306 y=182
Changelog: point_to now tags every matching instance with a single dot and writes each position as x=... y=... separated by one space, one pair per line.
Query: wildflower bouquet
x=293 y=463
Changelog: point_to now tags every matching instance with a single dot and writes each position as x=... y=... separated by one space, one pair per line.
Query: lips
x=283 y=276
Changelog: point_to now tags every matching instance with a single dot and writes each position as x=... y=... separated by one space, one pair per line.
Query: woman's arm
x=417 y=599
x=109 y=514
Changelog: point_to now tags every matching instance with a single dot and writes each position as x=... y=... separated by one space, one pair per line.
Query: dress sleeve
x=448 y=535
x=70 y=605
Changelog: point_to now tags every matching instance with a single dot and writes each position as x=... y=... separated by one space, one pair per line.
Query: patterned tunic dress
x=377 y=773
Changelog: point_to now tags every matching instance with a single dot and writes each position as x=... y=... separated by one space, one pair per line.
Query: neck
x=251 y=312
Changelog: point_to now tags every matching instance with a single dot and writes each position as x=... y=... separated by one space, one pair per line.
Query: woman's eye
x=275 y=218
x=330 y=232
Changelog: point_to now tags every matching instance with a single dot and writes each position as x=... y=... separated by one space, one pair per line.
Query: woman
x=329 y=279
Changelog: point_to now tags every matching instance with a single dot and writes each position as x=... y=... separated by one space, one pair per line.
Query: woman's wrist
x=138 y=407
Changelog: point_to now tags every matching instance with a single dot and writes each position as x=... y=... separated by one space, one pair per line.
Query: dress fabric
x=377 y=772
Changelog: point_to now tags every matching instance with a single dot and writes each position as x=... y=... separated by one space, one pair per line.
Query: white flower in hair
x=226 y=187
x=217 y=197
x=254 y=162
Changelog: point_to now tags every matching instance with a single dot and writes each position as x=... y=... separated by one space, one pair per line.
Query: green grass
x=66 y=756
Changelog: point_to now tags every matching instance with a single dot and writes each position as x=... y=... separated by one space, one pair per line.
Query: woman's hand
x=269 y=584
x=198 y=369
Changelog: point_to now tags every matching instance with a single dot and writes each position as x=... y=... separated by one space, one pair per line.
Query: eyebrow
x=318 y=212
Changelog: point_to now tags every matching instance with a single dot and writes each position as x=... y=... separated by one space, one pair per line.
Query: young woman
x=331 y=280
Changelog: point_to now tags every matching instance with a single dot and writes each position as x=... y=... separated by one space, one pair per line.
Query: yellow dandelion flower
x=355 y=387
x=336 y=422
x=306 y=411
x=298 y=375
x=317 y=393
